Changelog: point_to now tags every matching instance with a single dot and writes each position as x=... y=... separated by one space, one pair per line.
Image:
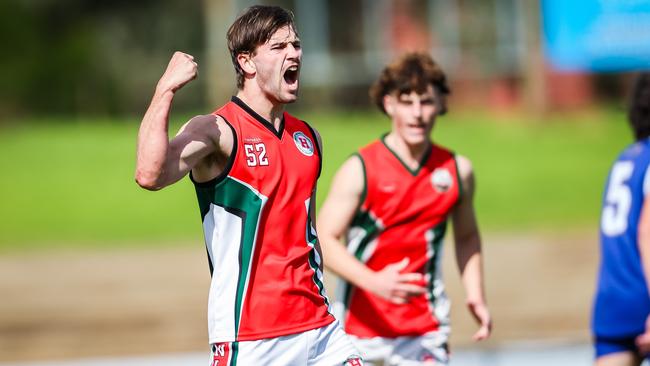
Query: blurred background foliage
x=77 y=75
x=79 y=57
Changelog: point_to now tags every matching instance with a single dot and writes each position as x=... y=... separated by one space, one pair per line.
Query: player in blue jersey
x=621 y=313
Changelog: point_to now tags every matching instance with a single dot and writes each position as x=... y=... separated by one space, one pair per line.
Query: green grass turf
x=71 y=183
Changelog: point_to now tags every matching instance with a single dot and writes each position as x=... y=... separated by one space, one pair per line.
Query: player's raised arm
x=159 y=161
x=468 y=251
x=334 y=219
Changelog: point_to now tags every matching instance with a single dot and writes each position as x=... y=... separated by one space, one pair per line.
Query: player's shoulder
x=290 y=120
x=352 y=167
x=637 y=150
x=351 y=175
x=298 y=127
x=295 y=124
x=207 y=122
x=204 y=119
x=373 y=147
x=463 y=163
x=212 y=127
x=465 y=167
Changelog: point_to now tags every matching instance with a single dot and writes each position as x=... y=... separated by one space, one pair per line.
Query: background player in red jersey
x=391 y=202
x=253 y=166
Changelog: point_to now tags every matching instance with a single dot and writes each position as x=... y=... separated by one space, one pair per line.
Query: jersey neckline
x=268 y=125
x=423 y=160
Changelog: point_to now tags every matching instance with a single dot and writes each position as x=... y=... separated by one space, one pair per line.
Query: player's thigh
x=374 y=350
x=616 y=352
x=625 y=358
x=329 y=346
x=428 y=349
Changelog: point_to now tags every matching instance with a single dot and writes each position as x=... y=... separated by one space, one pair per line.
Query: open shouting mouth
x=291 y=75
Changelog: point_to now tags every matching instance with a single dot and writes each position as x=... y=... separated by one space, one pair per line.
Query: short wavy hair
x=413 y=72
x=253 y=28
x=639 y=110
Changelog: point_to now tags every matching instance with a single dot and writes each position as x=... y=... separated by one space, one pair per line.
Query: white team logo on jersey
x=441 y=180
x=303 y=143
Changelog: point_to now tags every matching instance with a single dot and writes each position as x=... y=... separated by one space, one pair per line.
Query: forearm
x=468 y=252
x=470 y=264
x=472 y=278
x=153 y=141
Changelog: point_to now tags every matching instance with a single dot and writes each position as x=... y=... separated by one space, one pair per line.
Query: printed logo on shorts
x=220 y=354
x=441 y=180
x=303 y=143
x=353 y=361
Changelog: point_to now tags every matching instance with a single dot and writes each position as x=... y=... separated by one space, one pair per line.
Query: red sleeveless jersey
x=267 y=278
x=403 y=214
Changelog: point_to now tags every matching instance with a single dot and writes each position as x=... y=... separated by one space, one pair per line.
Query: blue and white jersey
x=622 y=302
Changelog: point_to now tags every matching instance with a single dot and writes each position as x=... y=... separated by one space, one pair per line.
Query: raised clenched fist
x=180 y=70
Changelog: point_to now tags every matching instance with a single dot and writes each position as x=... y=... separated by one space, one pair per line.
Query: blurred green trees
x=92 y=57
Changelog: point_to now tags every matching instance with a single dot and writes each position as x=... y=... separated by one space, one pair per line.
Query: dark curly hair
x=411 y=72
x=639 y=111
x=253 y=28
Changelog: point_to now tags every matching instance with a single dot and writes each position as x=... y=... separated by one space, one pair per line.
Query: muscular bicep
x=342 y=200
x=194 y=144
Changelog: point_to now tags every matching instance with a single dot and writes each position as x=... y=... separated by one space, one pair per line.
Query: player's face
x=414 y=114
x=277 y=66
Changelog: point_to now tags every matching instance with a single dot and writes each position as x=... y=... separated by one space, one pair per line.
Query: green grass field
x=69 y=184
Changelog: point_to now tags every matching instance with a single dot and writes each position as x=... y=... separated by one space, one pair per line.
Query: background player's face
x=414 y=114
x=277 y=66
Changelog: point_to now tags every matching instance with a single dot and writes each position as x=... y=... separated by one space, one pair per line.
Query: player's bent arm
x=466 y=235
x=164 y=163
x=153 y=139
x=468 y=249
x=643 y=341
x=335 y=217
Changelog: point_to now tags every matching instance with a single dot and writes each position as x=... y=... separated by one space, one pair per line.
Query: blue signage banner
x=597 y=35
